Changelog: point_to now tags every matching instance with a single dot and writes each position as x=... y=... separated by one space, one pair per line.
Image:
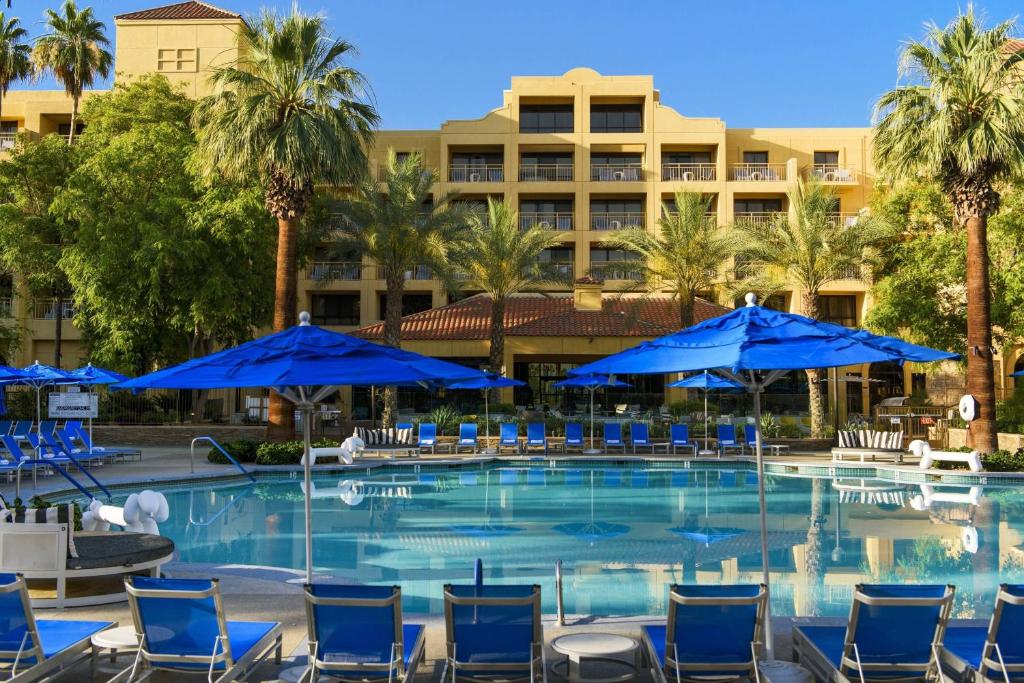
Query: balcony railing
x=46 y=309
x=763 y=218
x=6 y=307
x=744 y=268
x=616 y=173
x=545 y=173
x=688 y=173
x=847 y=219
x=757 y=172
x=711 y=218
x=832 y=173
x=7 y=140
x=563 y=269
x=325 y=271
x=548 y=220
x=850 y=273
x=415 y=273
x=616 y=221
x=614 y=271
x=476 y=173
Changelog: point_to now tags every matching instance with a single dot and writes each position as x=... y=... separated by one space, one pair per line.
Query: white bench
x=923 y=450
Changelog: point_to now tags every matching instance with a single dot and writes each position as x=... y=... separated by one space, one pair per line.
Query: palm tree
x=686 y=253
x=398 y=224
x=15 y=55
x=500 y=258
x=73 y=52
x=811 y=249
x=958 y=119
x=288 y=112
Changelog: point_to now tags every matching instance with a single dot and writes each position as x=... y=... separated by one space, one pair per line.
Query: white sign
x=73 y=406
x=894 y=420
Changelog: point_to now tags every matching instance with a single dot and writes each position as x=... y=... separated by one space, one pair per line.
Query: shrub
x=446 y=418
x=996 y=461
x=1010 y=413
x=770 y=427
x=241 y=450
x=684 y=408
x=285 y=452
x=790 y=430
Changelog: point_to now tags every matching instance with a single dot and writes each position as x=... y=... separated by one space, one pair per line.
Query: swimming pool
x=623 y=531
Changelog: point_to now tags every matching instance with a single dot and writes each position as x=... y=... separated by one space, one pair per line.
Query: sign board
x=927 y=420
x=73 y=389
x=894 y=420
x=74 y=406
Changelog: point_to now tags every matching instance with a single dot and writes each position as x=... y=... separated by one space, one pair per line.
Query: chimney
x=586 y=294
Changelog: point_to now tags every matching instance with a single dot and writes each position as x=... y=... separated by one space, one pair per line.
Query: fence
x=914 y=421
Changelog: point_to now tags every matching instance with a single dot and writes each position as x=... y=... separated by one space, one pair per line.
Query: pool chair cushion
x=98 y=549
x=411 y=633
x=242 y=635
x=57 y=635
x=967 y=644
x=829 y=641
x=485 y=634
x=384 y=437
x=657 y=633
x=55 y=514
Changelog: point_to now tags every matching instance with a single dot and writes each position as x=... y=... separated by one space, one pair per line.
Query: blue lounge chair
x=613 y=436
x=680 y=438
x=5 y=427
x=183 y=628
x=712 y=631
x=78 y=441
x=493 y=632
x=11 y=449
x=427 y=437
x=509 y=437
x=535 y=437
x=31 y=649
x=640 y=437
x=356 y=632
x=467 y=436
x=727 y=440
x=895 y=632
x=995 y=652
x=573 y=437
x=750 y=434
x=21 y=430
x=47 y=426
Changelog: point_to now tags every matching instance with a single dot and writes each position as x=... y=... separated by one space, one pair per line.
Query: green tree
x=15 y=54
x=501 y=259
x=684 y=256
x=811 y=249
x=73 y=51
x=957 y=119
x=290 y=112
x=32 y=237
x=400 y=225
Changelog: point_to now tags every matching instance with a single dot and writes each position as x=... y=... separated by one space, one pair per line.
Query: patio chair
x=10 y=449
x=493 y=632
x=427 y=437
x=727 y=440
x=715 y=632
x=5 y=427
x=467 y=436
x=509 y=437
x=679 y=435
x=47 y=426
x=995 y=652
x=21 y=430
x=573 y=437
x=34 y=649
x=535 y=437
x=51 y=445
x=894 y=632
x=750 y=435
x=77 y=439
x=356 y=632
x=613 y=436
x=182 y=627
x=639 y=437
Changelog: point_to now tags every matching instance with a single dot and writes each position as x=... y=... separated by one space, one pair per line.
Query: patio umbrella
x=38 y=376
x=757 y=346
x=591 y=382
x=706 y=381
x=89 y=376
x=490 y=380
x=305 y=364
x=592 y=531
x=708 y=534
x=487 y=529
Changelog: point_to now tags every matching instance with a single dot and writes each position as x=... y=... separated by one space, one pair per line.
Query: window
x=757 y=205
x=686 y=158
x=546 y=158
x=556 y=213
x=477 y=159
x=335 y=309
x=545 y=206
x=65 y=129
x=176 y=60
x=545 y=166
x=838 y=309
x=401 y=157
x=411 y=303
x=616 y=118
x=616 y=166
x=826 y=158
x=11 y=127
x=545 y=118
x=755 y=157
x=556 y=255
x=616 y=206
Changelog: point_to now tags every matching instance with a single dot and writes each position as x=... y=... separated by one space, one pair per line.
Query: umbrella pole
x=591 y=450
x=763 y=513
x=307 y=475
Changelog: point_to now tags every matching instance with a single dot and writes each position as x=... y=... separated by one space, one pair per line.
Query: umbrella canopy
x=591 y=383
x=90 y=375
x=489 y=380
x=9 y=375
x=40 y=375
x=706 y=381
x=708 y=535
x=1018 y=374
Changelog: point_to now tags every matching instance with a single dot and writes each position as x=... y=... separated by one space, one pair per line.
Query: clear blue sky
x=767 y=63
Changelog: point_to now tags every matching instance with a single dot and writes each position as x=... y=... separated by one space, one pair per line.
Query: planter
x=1007 y=442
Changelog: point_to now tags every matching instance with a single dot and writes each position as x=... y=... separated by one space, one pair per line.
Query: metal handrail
x=192 y=456
x=227 y=506
x=559 y=603
x=61 y=471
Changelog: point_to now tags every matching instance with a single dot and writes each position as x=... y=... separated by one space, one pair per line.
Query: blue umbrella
x=305 y=364
x=752 y=340
x=708 y=535
x=489 y=380
x=39 y=375
x=89 y=376
x=706 y=381
x=1018 y=374
x=591 y=382
x=592 y=531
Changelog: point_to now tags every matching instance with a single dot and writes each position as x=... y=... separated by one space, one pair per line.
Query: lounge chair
x=535 y=437
x=427 y=437
x=10 y=449
x=21 y=430
x=995 y=652
x=895 y=632
x=493 y=632
x=750 y=434
x=467 y=436
x=639 y=437
x=573 y=437
x=509 y=437
x=5 y=427
x=78 y=441
x=680 y=438
x=34 y=649
x=727 y=440
x=613 y=436
x=356 y=632
x=47 y=427
x=52 y=445
x=182 y=627
x=712 y=631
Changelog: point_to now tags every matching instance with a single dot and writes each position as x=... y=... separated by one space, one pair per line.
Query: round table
x=596 y=647
x=120 y=640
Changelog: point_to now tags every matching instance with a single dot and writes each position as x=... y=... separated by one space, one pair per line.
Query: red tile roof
x=1015 y=44
x=547 y=316
x=181 y=10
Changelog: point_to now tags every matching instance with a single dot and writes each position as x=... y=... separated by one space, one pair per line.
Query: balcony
x=752 y=173
x=545 y=173
x=46 y=309
x=326 y=271
x=617 y=173
x=764 y=218
x=563 y=269
x=688 y=173
x=414 y=273
x=832 y=173
x=614 y=271
x=7 y=141
x=850 y=273
x=547 y=220
x=476 y=173
x=844 y=218
x=616 y=221
x=744 y=268
x=710 y=217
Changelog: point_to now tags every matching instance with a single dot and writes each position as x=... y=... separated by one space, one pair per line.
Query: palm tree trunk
x=58 y=327
x=816 y=405
x=74 y=119
x=392 y=336
x=980 y=379
x=814 y=549
x=686 y=306
x=497 y=334
x=281 y=422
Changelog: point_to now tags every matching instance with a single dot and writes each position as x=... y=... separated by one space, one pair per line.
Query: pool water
x=623 y=532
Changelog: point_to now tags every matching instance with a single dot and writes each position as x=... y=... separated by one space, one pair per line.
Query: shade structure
x=305 y=364
x=707 y=381
x=37 y=376
x=591 y=382
x=489 y=380
x=90 y=375
x=756 y=346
